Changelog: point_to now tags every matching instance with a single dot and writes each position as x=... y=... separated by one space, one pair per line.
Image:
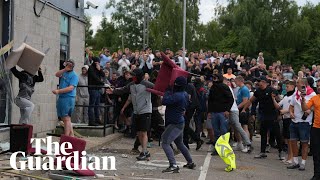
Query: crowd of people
x=231 y=93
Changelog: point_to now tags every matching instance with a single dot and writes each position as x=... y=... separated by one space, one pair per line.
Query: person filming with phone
x=301 y=123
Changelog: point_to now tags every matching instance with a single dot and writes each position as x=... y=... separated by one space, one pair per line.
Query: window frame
x=67 y=35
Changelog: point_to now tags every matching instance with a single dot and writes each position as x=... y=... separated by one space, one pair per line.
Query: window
x=64 y=39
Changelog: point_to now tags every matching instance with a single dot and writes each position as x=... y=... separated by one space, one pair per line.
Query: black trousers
x=270 y=125
x=188 y=132
x=315 y=143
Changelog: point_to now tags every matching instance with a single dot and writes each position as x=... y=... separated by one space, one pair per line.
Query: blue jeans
x=94 y=100
x=300 y=131
x=174 y=132
x=219 y=124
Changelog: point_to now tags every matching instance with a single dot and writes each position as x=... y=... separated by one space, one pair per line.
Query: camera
x=90 y=4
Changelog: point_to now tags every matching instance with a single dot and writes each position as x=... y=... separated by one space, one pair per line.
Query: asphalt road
x=208 y=167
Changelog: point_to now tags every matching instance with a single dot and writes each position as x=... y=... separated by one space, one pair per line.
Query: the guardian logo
x=60 y=158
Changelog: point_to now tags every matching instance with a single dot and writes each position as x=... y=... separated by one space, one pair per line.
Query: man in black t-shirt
x=228 y=63
x=157 y=61
x=267 y=113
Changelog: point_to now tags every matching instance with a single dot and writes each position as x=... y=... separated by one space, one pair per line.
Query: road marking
x=205 y=167
x=147 y=178
x=158 y=163
x=197 y=155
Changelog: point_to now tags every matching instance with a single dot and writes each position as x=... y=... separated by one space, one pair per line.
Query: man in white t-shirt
x=123 y=63
x=286 y=119
x=183 y=63
x=234 y=121
x=301 y=123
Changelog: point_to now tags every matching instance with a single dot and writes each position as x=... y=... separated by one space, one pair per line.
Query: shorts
x=300 y=131
x=286 y=128
x=143 y=121
x=65 y=106
x=244 y=117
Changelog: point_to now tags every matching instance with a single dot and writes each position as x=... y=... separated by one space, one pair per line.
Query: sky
x=206 y=9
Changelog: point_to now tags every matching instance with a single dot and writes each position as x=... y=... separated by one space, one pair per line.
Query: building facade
x=55 y=24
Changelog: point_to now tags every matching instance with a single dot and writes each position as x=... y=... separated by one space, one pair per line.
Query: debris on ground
x=124 y=156
x=5 y=146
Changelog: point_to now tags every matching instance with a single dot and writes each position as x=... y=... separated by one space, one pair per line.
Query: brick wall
x=44 y=32
x=77 y=44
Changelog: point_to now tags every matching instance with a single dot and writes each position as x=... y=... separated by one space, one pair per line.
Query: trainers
x=281 y=156
x=239 y=147
x=260 y=156
x=250 y=149
x=287 y=162
x=302 y=167
x=214 y=153
x=234 y=144
x=268 y=148
x=171 y=169
x=190 y=165
x=176 y=152
x=149 y=145
x=294 y=166
x=211 y=148
x=199 y=144
x=135 y=151
x=245 y=149
x=144 y=156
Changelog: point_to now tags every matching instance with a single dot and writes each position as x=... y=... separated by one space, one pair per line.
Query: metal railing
x=105 y=107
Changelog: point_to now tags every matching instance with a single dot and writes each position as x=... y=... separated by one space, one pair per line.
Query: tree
x=166 y=28
x=128 y=19
x=279 y=28
x=88 y=30
x=107 y=36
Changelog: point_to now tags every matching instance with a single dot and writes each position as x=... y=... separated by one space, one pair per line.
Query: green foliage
x=107 y=36
x=279 y=28
x=88 y=30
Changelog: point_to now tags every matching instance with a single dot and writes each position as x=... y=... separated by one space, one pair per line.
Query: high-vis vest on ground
x=225 y=152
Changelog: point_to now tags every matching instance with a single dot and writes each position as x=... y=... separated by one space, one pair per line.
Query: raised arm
x=39 y=77
x=16 y=73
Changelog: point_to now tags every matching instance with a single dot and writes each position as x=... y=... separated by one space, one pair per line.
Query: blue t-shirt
x=69 y=79
x=243 y=92
x=103 y=60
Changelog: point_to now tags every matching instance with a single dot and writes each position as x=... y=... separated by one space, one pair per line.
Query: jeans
x=188 y=132
x=300 y=131
x=234 y=120
x=26 y=108
x=315 y=144
x=219 y=124
x=94 y=100
x=270 y=125
x=81 y=114
x=174 y=132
